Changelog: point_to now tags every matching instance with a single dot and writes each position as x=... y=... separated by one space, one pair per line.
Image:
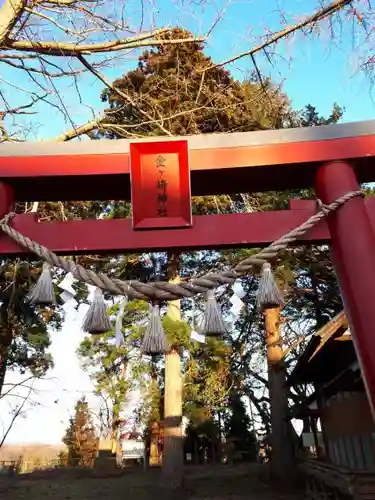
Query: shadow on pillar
x=283 y=460
x=105 y=461
x=173 y=459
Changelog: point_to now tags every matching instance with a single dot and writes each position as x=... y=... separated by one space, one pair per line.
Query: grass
x=206 y=482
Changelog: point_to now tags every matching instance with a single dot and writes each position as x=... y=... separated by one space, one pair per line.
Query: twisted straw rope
x=172 y=291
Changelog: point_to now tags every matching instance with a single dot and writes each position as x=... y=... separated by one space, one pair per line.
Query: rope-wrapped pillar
x=353 y=254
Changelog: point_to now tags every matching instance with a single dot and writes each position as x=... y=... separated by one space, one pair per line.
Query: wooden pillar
x=320 y=403
x=7 y=200
x=105 y=462
x=283 y=470
x=314 y=428
x=154 y=458
x=353 y=254
x=173 y=464
x=273 y=337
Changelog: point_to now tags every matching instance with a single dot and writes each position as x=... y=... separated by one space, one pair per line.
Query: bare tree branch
x=10 y=13
x=125 y=129
x=314 y=18
x=16 y=412
x=43 y=72
x=61 y=49
x=295 y=344
x=121 y=94
x=80 y=130
x=59 y=26
x=63 y=2
x=79 y=28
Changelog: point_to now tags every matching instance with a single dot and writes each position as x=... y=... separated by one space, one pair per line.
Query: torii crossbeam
x=244 y=162
x=334 y=158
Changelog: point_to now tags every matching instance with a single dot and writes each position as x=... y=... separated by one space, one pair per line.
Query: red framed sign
x=160 y=185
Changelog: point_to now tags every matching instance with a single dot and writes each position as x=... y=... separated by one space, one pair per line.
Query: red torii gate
x=333 y=158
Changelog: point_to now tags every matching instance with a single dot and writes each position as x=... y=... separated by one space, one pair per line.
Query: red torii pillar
x=353 y=254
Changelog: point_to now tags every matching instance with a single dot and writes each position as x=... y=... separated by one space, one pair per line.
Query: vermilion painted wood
x=144 y=176
x=353 y=248
x=264 y=155
x=6 y=199
x=213 y=171
x=211 y=231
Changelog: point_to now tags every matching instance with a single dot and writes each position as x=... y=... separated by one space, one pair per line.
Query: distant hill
x=44 y=452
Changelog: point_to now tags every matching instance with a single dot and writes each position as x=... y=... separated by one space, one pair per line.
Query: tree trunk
x=3 y=366
x=283 y=463
x=114 y=431
x=318 y=448
x=5 y=342
x=319 y=318
x=6 y=339
x=173 y=440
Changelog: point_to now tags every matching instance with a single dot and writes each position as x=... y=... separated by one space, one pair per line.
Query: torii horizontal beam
x=211 y=231
x=219 y=163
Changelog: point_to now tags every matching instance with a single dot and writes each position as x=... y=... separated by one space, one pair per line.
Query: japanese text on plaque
x=161 y=186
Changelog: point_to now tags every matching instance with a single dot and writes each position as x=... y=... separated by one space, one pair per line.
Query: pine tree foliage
x=238 y=430
x=169 y=82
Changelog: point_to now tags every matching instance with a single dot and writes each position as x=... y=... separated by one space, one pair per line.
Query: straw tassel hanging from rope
x=213 y=322
x=154 y=341
x=268 y=295
x=43 y=292
x=96 y=320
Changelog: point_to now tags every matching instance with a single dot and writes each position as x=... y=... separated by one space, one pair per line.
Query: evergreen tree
x=238 y=430
x=203 y=442
x=170 y=78
x=80 y=437
x=24 y=337
x=116 y=370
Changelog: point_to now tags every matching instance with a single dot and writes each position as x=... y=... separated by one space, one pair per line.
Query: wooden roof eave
x=316 y=344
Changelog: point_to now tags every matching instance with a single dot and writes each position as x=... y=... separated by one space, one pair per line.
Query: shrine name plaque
x=160 y=185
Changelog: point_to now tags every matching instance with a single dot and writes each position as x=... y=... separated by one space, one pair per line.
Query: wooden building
x=344 y=463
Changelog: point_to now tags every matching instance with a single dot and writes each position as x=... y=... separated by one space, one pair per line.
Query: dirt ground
x=213 y=483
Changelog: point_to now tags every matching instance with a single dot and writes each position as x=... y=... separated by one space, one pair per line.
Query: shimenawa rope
x=171 y=291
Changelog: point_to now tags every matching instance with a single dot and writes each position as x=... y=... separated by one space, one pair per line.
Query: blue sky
x=320 y=73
